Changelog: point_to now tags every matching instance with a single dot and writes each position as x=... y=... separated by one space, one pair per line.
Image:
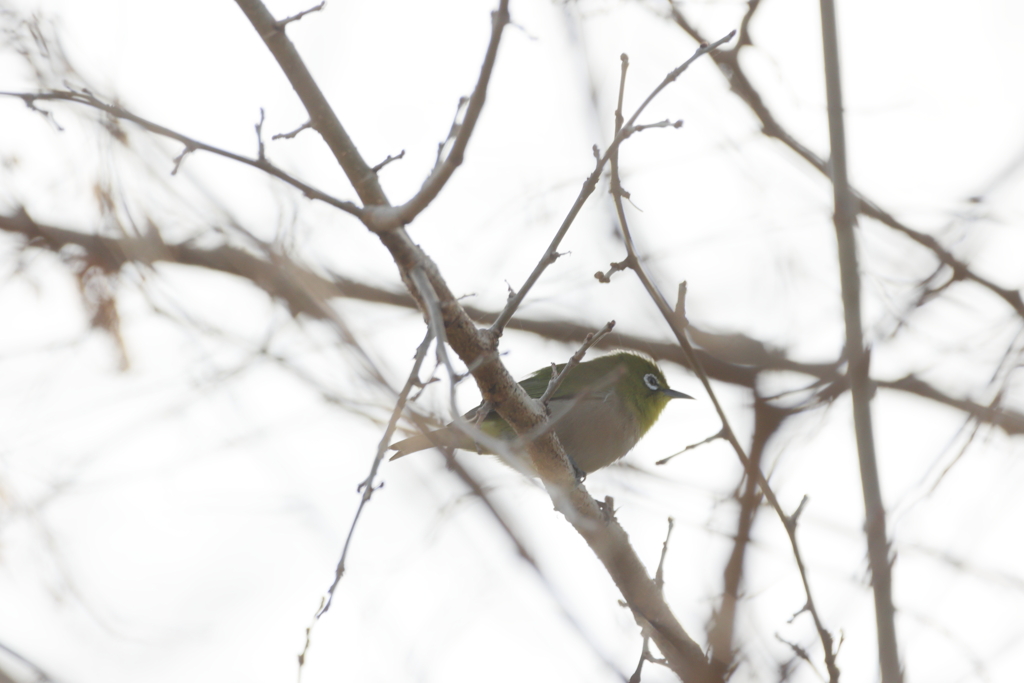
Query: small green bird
x=599 y=416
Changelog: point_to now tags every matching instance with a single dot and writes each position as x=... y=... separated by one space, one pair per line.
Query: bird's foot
x=580 y=475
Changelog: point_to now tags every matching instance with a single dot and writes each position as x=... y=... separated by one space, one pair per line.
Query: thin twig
x=551 y=253
x=644 y=126
x=387 y=218
x=720 y=434
x=605 y=278
x=367 y=487
x=261 y=151
x=659 y=581
x=292 y=134
x=387 y=161
x=557 y=378
x=767 y=420
x=731 y=67
x=800 y=653
x=191 y=144
x=322 y=117
x=295 y=17
x=453 y=132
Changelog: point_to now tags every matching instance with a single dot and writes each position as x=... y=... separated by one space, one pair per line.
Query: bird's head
x=643 y=389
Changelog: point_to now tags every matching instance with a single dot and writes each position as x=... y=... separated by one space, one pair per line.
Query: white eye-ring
x=652 y=382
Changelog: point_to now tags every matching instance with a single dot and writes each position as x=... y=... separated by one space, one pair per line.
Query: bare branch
x=551 y=253
x=367 y=487
x=191 y=144
x=388 y=218
x=659 y=581
x=720 y=434
x=559 y=377
x=861 y=388
x=261 y=152
x=606 y=278
x=734 y=359
x=295 y=17
x=729 y=64
x=387 y=161
x=181 y=157
x=322 y=117
x=767 y=421
x=292 y=134
x=644 y=126
x=679 y=330
x=800 y=653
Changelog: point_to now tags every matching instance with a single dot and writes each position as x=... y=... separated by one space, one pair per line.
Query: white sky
x=183 y=518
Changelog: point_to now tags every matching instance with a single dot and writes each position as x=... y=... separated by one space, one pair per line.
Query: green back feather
x=645 y=404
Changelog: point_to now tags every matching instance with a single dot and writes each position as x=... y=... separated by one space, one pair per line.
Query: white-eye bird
x=600 y=411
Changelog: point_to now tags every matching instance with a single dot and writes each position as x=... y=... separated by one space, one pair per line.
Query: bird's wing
x=580 y=379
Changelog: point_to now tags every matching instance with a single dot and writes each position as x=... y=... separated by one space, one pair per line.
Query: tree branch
x=861 y=388
x=621 y=133
x=678 y=326
x=728 y=63
x=477 y=349
x=321 y=116
x=191 y=144
x=391 y=217
x=734 y=359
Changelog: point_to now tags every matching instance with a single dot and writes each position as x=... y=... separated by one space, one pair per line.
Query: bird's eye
x=652 y=382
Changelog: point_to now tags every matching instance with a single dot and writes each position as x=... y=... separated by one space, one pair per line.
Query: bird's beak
x=672 y=393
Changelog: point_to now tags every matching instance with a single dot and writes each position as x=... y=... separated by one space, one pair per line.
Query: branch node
x=606 y=278
x=286 y=136
x=720 y=435
x=388 y=161
x=453 y=134
x=799 y=509
x=181 y=157
x=279 y=25
x=261 y=150
x=681 y=305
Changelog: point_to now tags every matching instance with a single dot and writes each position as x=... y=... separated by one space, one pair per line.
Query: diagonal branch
x=191 y=144
x=477 y=349
x=621 y=133
x=321 y=116
x=729 y=64
x=387 y=218
x=678 y=325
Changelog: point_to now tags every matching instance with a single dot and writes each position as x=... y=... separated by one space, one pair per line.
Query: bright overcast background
x=174 y=508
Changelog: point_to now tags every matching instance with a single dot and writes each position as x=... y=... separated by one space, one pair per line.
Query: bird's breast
x=596 y=431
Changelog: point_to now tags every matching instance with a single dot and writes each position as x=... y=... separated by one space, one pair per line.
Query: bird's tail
x=421 y=442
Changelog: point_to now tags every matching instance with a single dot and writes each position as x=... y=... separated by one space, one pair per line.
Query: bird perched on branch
x=600 y=411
